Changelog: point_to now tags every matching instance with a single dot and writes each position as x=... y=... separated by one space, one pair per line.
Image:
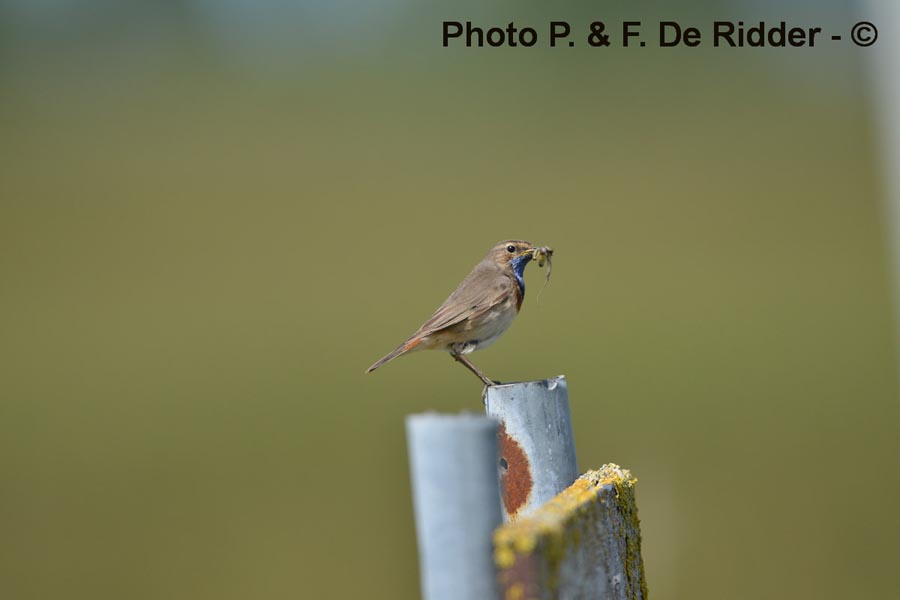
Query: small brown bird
x=481 y=309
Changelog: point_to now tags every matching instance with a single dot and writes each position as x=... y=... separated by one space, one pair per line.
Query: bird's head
x=515 y=254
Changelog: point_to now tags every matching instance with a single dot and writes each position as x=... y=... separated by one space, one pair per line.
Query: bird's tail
x=401 y=349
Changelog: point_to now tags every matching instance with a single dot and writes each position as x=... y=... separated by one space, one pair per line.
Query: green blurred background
x=215 y=216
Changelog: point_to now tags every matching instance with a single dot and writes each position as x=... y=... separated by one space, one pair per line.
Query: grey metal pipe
x=537 y=447
x=456 y=498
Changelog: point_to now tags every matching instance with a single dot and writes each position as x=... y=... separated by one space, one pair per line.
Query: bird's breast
x=485 y=329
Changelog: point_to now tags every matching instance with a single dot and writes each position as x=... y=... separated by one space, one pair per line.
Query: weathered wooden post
x=537 y=447
x=583 y=544
x=456 y=498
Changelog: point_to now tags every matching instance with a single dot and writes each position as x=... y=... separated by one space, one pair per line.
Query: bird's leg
x=467 y=364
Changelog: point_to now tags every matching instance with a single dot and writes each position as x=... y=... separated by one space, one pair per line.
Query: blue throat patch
x=518 y=267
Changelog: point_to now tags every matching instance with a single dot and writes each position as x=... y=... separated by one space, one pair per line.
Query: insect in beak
x=542 y=255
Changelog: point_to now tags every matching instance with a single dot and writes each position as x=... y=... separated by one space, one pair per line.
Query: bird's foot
x=488 y=384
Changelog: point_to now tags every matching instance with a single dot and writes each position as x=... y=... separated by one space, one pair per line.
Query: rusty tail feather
x=401 y=349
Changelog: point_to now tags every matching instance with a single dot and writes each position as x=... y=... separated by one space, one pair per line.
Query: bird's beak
x=528 y=255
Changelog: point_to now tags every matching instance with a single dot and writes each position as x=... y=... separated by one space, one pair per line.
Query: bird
x=481 y=308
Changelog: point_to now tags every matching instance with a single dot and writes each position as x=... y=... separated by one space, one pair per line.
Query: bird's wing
x=485 y=287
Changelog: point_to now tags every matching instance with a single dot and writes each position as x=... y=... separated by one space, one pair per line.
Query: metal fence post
x=456 y=498
x=537 y=447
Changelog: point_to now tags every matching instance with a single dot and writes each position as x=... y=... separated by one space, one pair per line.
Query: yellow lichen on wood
x=515 y=592
x=558 y=528
x=521 y=536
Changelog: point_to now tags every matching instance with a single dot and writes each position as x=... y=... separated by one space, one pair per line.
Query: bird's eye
x=510 y=248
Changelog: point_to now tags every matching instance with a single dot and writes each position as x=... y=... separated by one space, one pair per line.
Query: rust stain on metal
x=515 y=476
